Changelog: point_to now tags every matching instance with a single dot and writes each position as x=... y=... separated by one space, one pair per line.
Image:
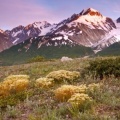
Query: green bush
x=105 y=67
x=37 y=59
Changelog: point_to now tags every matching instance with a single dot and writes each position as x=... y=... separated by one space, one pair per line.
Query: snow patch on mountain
x=28 y=33
x=15 y=41
x=46 y=30
x=57 y=38
x=14 y=34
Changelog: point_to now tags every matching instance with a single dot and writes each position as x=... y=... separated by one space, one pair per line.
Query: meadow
x=68 y=91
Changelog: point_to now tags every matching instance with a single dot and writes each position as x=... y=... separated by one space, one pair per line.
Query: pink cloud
x=16 y=12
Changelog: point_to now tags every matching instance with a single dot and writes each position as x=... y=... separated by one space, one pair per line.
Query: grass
x=40 y=103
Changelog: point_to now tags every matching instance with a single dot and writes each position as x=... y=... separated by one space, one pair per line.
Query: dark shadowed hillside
x=23 y=52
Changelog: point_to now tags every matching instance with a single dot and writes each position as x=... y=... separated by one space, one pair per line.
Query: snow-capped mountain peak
x=41 y=25
x=88 y=28
x=93 y=19
x=21 y=33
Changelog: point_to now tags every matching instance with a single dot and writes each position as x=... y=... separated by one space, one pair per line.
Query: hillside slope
x=23 y=52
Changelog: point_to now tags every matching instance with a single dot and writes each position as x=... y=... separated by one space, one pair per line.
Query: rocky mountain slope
x=5 y=43
x=88 y=28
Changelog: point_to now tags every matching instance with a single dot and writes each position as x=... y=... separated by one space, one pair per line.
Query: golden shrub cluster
x=64 y=92
x=56 y=77
x=3 y=90
x=79 y=99
x=44 y=82
x=14 y=83
x=62 y=75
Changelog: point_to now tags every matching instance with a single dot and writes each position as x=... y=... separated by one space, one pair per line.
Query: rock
x=86 y=57
x=66 y=59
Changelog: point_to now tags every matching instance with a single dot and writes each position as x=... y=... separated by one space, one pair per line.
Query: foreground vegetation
x=67 y=91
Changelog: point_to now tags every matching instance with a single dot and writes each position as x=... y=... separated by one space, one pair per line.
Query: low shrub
x=63 y=75
x=44 y=82
x=14 y=83
x=37 y=59
x=105 y=67
x=64 y=92
x=81 y=101
x=94 y=86
x=3 y=90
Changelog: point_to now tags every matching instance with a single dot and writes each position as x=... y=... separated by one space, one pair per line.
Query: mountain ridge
x=88 y=28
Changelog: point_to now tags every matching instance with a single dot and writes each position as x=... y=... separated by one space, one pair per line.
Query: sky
x=23 y=12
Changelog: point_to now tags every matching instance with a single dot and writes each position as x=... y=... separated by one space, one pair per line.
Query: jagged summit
x=90 y=11
x=18 y=27
x=92 y=18
x=41 y=24
x=21 y=33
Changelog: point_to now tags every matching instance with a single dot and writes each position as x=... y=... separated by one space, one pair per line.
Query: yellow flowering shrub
x=94 y=86
x=16 y=77
x=14 y=83
x=64 y=92
x=44 y=82
x=80 y=100
x=62 y=75
x=20 y=85
x=3 y=90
